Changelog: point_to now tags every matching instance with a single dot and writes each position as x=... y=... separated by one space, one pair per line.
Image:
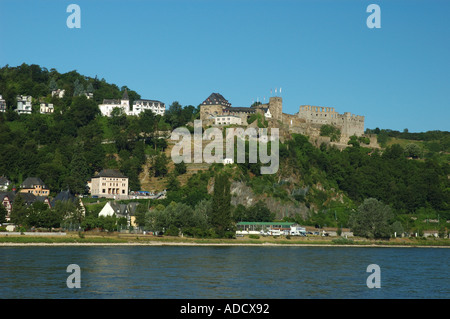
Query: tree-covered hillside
x=67 y=147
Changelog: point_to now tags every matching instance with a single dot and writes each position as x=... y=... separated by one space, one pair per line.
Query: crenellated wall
x=348 y=123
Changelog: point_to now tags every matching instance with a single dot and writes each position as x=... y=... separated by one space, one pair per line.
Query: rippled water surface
x=224 y=272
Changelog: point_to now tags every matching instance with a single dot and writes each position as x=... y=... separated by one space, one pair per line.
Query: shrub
x=253 y=236
x=172 y=231
x=342 y=241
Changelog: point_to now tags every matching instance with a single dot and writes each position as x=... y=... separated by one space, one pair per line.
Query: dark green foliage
x=255 y=213
x=3 y=213
x=180 y=168
x=372 y=219
x=329 y=130
x=221 y=202
x=159 y=165
x=19 y=211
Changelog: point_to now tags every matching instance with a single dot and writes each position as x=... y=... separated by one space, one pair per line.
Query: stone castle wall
x=348 y=123
x=308 y=120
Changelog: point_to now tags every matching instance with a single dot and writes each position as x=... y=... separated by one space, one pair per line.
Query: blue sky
x=319 y=52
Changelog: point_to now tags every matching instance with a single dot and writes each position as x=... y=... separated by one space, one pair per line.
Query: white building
x=137 y=108
x=227 y=161
x=46 y=108
x=2 y=104
x=24 y=104
x=110 y=104
x=140 y=106
x=227 y=120
x=59 y=93
x=109 y=183
x=267 y=113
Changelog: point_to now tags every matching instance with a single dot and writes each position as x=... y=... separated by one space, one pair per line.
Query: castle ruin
x=308 y=120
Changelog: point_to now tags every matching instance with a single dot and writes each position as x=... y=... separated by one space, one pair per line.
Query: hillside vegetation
x=314 y=186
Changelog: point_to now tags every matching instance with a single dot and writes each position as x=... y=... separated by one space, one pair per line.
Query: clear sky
x=319 y=52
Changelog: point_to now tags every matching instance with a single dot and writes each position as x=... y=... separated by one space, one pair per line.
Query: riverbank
x=74 y=239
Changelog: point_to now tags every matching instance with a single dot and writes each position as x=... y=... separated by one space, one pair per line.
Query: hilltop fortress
x=216 y=110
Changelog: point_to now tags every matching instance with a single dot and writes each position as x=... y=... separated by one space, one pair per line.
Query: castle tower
x=276 y=107
x=213 y=106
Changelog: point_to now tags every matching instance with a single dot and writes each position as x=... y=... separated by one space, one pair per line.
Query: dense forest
x=410 y=174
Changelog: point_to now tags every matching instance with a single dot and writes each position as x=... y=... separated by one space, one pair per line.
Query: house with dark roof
x=30 y=199
x=109 y=105
x=120 y=211
x=67 y=196
x=35 y=186
x=215 y=107
x=109 y=183
x=216 y=99
x=7 y=199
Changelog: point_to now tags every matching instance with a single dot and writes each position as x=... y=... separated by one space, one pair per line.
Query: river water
x=174 y=272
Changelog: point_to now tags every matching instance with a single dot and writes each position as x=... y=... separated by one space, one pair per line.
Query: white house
x=227 y=160
x=59 y=93
x=46 y=108
x=140 y=106
x=2 y=104
x=110 y=104
x=227 y=120
x=267 y=113
x=137 y=108
x=120 y=210
x=24 y=104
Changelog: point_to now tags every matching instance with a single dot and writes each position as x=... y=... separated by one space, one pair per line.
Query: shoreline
x=155 y=243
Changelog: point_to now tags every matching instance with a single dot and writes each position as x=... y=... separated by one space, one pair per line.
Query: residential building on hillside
x=136 y=108
x=227 y=120
x=24 y=104
x=46 y=108
x=2 y=104
x=110 y=104
x=30 y=199
x=35 y=186
x=7 y=199
x=109 y=183
x=140 y=106
x=58 y=93
x=67 y=196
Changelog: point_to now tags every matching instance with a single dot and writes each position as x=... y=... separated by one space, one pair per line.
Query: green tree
x=172 y=183
x=180 y=168
x=3 y=213
x=159 y=167
x=40 y=215
x=372 y=219
x=19 y=212
x=331 y=131
x=259 y=212
x=69 y=211
x=140 y=213
x=413 y=150
x=221 y=214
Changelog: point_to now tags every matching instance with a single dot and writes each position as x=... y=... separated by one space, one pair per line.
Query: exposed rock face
x=242 y=194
